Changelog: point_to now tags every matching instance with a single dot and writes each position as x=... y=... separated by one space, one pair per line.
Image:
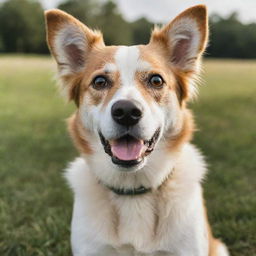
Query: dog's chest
x=137 y=221
x=127 y=250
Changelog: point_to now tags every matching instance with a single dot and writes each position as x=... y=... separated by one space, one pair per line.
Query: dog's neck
x=137 y=190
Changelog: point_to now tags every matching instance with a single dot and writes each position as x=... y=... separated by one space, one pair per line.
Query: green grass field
x=35 y=202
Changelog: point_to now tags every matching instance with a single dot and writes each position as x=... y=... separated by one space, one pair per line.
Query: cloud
x=165 y=10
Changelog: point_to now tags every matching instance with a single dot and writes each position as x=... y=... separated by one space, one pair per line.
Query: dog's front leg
x=85 y=245
x=88 y=235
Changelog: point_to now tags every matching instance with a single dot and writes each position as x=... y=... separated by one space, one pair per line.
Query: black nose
x=126 y=112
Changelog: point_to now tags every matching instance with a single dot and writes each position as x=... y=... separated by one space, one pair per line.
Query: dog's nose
x=126 y=112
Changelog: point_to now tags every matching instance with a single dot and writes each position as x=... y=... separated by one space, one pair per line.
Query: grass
x=36 y=204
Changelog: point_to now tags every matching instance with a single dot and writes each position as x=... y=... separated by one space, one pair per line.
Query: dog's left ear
x=70 y=43
x=184 y=40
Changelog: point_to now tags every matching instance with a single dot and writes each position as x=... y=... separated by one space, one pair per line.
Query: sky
x=164 y=10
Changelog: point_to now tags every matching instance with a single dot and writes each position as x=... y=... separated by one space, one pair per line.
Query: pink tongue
x=127 y=150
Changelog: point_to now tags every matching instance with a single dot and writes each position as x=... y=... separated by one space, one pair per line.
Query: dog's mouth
x=128 y=151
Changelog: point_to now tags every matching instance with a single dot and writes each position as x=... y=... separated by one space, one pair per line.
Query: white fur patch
x=222 y=250
x=128 y=61
x=109 y=68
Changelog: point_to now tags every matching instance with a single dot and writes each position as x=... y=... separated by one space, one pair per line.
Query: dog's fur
x=171 y=218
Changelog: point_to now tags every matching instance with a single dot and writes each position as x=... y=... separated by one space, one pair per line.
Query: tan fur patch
x=79 y=134
x=185 y=134
x=213 y=242
x=79 y=85
x=97 y=58
x=155 y=56
x=73 y=84
x=174 y=78
x=113 y=89
x=182 y=84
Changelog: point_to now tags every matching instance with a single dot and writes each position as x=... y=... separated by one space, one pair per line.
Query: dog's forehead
x=127 y=60
x=130 y=58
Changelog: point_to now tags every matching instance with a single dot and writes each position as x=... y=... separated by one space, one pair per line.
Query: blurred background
x=35 y=202
x=233 y=26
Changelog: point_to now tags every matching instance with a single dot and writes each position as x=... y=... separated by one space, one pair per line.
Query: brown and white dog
x=137 y=184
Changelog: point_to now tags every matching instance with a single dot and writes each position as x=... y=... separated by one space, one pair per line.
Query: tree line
x=22 y=28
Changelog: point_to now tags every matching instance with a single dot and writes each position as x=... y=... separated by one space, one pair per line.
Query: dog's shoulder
x=191 y=165
x=77 y=174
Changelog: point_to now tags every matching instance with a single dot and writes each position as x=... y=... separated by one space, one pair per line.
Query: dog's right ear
x=70 y=42
x=183 y=42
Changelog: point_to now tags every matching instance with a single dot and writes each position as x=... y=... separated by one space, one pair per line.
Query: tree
x=100 y=15
x=141 y=30
x=83 y=10
x=115 y=29
x=22 y=26
x=230 y=38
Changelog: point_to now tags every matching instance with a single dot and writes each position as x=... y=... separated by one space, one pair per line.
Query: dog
x=137 y=185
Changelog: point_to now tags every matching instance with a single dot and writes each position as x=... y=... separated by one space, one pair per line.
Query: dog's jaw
x=150 y=173
x=135 y=149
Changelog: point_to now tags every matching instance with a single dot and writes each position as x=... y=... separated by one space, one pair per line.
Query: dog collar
x=130 y=192
x=136 y=191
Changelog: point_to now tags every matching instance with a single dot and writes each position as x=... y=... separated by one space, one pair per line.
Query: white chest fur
x=137 y=220
x=166 y=222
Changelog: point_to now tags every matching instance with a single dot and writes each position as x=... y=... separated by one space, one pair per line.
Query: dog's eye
x=100 y=82
x=156 y=81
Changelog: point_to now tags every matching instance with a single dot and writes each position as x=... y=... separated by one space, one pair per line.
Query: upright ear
x=184 y=39
x=70 y=42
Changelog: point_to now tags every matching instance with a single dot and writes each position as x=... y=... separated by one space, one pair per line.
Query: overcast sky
x=164 y=10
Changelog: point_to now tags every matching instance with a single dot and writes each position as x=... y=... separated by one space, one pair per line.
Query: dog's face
x=131 y=100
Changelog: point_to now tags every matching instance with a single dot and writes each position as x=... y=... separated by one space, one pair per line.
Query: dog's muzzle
x=128 y=151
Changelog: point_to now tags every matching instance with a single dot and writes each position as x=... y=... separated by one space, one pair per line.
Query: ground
x=36 y=203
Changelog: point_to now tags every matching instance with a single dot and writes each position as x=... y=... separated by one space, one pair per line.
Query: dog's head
x=131 y=100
